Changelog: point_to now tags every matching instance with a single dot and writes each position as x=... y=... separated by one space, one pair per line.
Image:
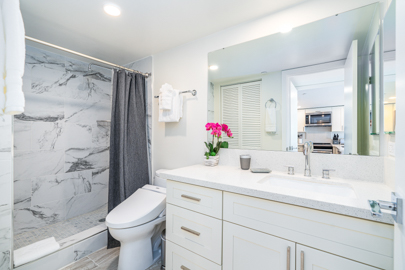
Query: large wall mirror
x=331 y=82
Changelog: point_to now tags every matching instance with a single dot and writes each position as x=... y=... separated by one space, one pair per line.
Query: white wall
x=186 y=67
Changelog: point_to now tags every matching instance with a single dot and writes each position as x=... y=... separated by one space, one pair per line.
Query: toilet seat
x=145 y=205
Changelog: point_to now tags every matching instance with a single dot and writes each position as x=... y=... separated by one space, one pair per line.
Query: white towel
x=35 y=251
x=166 y=97
x=176 y=112
x=2 y=65
x=14 y=35
x=271 y=120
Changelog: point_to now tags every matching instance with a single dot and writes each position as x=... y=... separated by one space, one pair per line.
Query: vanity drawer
x=203 y=200
x=353 y=238
x=178 y=258
x=198 y=233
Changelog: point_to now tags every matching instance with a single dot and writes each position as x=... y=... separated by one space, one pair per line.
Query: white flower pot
x=211 y=161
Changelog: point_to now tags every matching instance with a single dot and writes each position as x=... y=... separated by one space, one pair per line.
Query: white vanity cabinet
x=214 y=229
x=249 y=249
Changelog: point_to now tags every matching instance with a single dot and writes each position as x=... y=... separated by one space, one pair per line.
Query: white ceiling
x=318 y=42
x=144 y=27
x=320 y=89
x=319 y=79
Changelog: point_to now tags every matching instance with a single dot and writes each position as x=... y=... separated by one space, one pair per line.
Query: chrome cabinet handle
x=288 y=258
x=302 y=260
x=184 y=268
x=190 y=231
x=190 y=197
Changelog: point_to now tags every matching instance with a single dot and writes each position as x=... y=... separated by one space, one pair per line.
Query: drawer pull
x=288 y=258
x=184 y=268
x=190 y=197
x=302 y=260
x=190 y=230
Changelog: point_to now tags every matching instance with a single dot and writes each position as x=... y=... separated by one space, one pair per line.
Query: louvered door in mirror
x=240 y=110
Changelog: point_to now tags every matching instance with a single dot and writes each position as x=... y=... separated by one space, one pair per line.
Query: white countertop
x=233 y=179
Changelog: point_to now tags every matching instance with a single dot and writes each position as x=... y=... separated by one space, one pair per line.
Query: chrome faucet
x=308 y=148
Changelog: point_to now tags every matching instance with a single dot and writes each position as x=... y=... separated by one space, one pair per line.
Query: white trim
x=286 y=80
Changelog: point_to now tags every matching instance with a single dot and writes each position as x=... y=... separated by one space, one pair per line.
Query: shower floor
x=61 y=230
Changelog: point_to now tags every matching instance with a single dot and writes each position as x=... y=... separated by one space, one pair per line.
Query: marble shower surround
x=61 y=151
x=6 y=190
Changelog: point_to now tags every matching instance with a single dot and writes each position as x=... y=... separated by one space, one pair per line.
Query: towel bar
x=193 y=92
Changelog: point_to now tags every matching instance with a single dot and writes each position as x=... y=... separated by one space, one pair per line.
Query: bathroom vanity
x=226 y=218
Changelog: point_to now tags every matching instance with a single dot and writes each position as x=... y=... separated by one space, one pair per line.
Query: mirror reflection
x=319 y=82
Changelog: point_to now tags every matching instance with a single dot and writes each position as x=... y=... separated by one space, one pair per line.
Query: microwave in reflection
x=318 y=119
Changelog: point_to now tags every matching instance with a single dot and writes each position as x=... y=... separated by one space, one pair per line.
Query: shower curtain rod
x=147 y=75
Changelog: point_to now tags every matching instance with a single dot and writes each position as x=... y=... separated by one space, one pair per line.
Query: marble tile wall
x=61 y=141
x=6 y=191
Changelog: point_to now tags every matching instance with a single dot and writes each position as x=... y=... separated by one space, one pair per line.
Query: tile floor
x=61 y=230
x=103 y=259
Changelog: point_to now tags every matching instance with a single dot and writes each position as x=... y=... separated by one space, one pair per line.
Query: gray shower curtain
x=128 y=142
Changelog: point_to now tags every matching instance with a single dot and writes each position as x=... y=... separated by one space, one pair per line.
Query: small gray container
x=245 y=162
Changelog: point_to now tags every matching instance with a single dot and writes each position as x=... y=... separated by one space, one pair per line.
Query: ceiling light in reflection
x=112 y=10
x=213 y=67
x=393 y=97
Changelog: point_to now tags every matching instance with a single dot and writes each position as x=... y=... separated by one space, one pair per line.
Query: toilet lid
x=141 y=207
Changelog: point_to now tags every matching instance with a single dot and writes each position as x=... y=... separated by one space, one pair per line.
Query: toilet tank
x=158 y=180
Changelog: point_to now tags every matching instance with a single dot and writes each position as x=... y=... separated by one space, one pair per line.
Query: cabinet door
x=342 y=117
x=337 y=124
x=249 y=249
x=312 y=259
x=301 y=120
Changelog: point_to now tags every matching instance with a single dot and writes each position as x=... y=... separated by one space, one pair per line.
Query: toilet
x=134 y=222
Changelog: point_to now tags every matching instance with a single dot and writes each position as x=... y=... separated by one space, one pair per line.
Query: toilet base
x=136 y=245
x=135 y=255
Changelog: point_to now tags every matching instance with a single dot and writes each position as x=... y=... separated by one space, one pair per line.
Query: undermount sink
x=311 y=185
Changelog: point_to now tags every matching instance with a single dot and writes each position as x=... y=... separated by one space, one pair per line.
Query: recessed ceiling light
x=285 y=28
x=112 y=10
x=393 y=97
x=213 y=67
